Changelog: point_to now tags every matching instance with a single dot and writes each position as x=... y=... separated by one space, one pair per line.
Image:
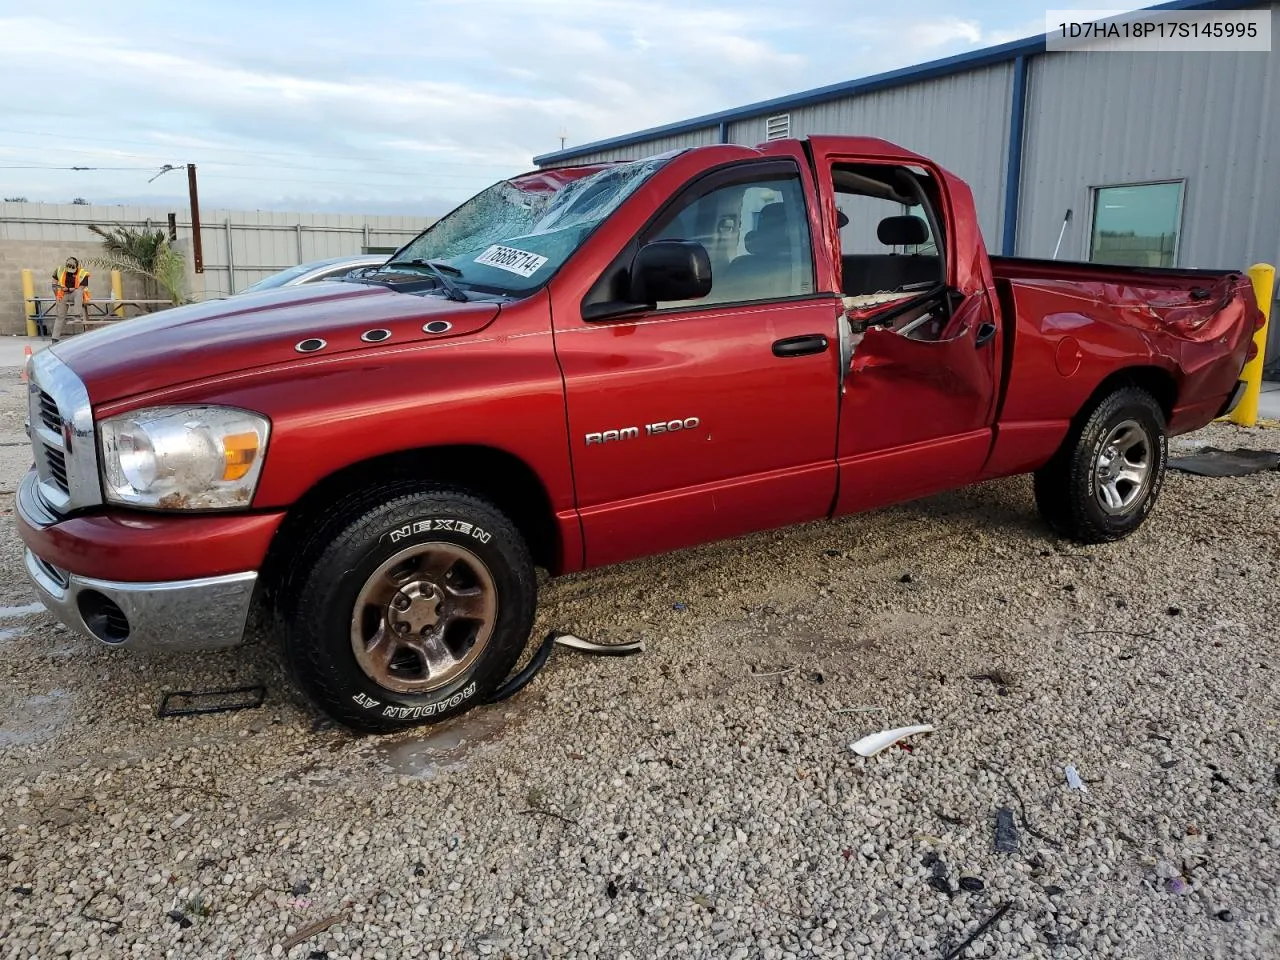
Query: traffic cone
x=26 y=361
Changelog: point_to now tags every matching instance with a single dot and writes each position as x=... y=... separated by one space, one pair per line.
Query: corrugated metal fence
x=240 y=247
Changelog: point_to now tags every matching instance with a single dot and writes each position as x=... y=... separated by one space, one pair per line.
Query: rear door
x=706 y=419
x=921 y=381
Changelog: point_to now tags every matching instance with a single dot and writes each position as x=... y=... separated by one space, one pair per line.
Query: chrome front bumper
x=205 y=614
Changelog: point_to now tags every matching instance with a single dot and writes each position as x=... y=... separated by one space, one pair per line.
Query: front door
x=707 y=419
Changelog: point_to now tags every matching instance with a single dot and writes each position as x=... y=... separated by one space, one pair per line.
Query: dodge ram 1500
x=584 y=365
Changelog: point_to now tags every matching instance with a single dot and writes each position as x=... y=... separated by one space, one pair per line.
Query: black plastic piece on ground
x=543 y=653
x=1212 y=462
x=521 y=679
x=1006 y=832
x=193 y=702
x=982 y=928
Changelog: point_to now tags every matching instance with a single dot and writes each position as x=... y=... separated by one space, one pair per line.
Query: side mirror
x=666 y=270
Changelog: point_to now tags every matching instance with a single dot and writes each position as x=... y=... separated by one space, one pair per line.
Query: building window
x=1137 y=224
x=778 y=128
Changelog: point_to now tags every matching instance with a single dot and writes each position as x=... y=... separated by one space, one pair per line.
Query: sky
x=408 y=106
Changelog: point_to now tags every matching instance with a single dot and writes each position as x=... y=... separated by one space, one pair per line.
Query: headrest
x=772 y=217
x=905 y=231
x=770 y=234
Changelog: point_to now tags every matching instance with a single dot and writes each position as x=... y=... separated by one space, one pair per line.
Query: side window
x=756 y=235
x=860 y=236
x=887 y=244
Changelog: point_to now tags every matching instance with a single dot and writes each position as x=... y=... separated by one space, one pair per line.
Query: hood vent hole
x=375 y=336
x=310 y=345
x=438 y=326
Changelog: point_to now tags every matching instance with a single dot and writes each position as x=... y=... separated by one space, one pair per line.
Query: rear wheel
x=1105 y=480
x=408 y=611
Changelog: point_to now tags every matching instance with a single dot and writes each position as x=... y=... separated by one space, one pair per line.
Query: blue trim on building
x=1003 y=53
x=1013 y=156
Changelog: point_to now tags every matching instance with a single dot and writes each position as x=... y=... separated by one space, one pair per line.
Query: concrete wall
x=240 y=247
x=42 y=257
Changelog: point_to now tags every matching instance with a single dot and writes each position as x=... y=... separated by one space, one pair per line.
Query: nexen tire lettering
x=427 y=526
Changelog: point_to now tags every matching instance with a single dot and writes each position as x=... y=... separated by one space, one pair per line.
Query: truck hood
x=218 y=337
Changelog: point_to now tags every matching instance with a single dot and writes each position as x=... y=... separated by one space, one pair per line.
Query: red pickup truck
x=584 y=365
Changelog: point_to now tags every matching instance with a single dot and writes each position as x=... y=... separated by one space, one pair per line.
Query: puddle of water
x=26 y=610
x=443 y=746
x=8 y=633
x=35 y=719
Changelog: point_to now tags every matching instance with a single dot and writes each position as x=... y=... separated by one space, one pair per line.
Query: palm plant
x=145 y=253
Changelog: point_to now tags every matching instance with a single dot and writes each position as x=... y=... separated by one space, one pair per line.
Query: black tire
x=346 y=553
x=1069 y=495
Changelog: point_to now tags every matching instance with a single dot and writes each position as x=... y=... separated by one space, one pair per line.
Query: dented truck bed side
x=1073 y=327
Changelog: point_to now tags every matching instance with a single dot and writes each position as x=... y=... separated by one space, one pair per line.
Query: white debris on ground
x=701 y=800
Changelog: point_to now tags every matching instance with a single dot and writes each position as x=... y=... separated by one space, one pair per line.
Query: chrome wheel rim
x=423 y=617
x=1122 y=473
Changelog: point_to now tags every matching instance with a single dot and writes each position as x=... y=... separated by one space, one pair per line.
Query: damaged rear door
x=923 y=339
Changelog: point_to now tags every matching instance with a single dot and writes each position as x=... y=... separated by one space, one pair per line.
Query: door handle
x=800 y=346
x=985 y=332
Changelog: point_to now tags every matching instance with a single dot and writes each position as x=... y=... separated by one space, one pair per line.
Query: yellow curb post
x=117 y=292
x=1245 y=414
x=29 y=301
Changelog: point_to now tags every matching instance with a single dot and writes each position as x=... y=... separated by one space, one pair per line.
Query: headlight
x=183 y=458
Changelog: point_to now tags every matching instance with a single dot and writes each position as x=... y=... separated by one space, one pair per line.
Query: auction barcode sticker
x=512 y=260
x=1158 y=31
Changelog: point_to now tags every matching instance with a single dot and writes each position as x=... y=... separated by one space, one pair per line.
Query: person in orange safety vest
x=70 y=287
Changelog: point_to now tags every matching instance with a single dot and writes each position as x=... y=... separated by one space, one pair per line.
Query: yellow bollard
x=117 y=292
x=29 y=301
x=1245 y=414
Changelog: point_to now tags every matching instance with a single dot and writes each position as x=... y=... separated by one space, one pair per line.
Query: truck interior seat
x=765 y=269
x=873 y=273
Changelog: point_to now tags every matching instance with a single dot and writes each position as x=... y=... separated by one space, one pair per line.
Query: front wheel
x=1104 y=482
x=409 y=611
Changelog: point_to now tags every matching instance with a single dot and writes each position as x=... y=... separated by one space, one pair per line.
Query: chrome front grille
x=61 y=427
x=55 y=574
x=49 y=412
x=57 y=464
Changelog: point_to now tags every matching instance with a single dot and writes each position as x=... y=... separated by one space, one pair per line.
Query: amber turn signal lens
x=240 y=450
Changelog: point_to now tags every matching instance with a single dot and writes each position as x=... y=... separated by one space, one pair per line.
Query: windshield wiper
x=440 y=271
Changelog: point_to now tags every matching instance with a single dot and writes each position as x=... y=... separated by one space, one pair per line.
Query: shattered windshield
x=512 y=237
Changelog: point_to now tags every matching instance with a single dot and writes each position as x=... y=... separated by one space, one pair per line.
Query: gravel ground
x=701 y=800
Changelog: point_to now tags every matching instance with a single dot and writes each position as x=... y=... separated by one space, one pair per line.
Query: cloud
x=404 y=101
x=945 y=31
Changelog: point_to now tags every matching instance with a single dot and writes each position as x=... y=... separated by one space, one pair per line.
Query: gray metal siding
x=961 y=121
x=696 y=138
x=1096 y=119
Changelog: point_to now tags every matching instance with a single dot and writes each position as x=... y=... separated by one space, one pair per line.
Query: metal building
x=1189 y=141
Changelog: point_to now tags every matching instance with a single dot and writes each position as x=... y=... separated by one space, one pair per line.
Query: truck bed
x=1177 y=301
